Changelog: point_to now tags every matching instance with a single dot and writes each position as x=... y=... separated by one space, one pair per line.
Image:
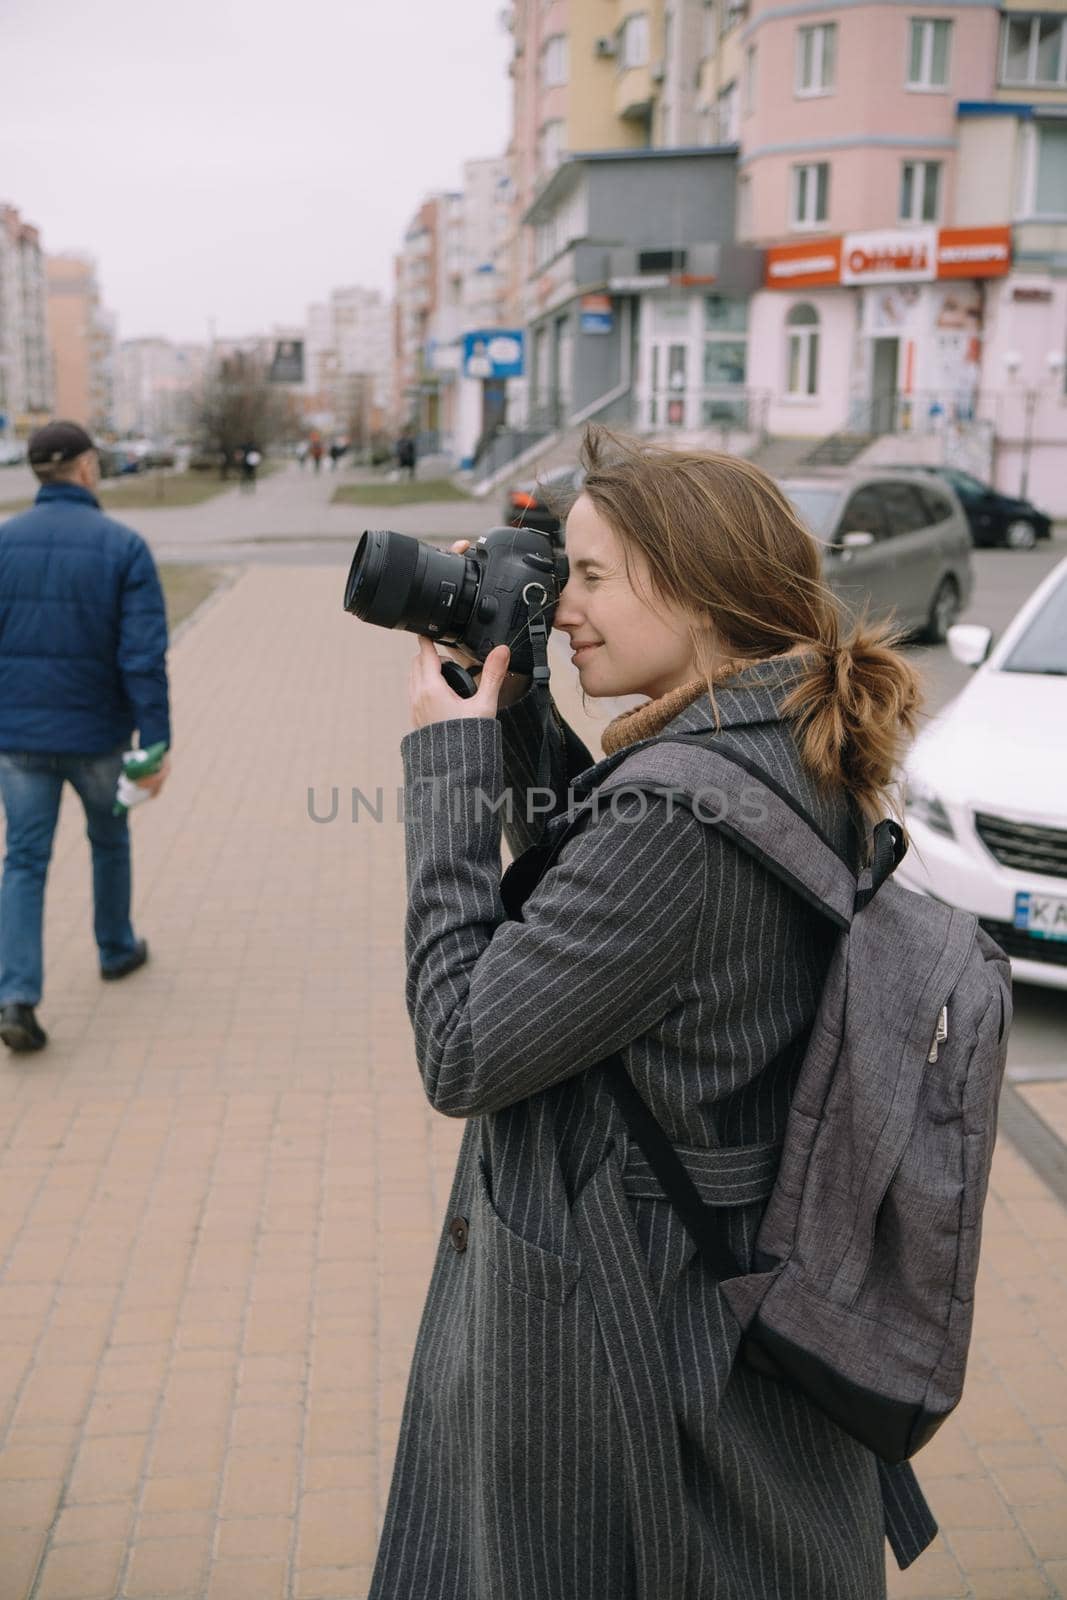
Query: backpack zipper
x=940 y=1035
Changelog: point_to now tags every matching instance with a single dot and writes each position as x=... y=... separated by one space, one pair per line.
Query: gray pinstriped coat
x=575 y=1425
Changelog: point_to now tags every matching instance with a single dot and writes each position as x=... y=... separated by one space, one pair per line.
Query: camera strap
x=538 y=632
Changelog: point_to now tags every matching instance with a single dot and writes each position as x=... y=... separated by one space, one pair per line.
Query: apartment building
x=155 y=387
x=349 y=373
x=25 y=362
x=82 y=339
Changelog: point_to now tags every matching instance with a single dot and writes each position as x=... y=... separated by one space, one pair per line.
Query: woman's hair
x=721 y=540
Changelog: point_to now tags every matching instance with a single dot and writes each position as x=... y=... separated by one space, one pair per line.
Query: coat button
x=457 y=1231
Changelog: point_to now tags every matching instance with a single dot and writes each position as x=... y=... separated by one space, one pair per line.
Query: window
x=633 y=42
x=816 y=59
x=1034 y=50
x=920 y=191
x=750 y=80
x=744 y=207
x=928 y=44
x=711 y=31
x=725 y=316
x=811 y=194
x=550 y=146
x=938 y=508
x=802 y=350
x=863 y=514
x=554 y=62
x=728 y=109
x=905 y=512
x=1050 y=179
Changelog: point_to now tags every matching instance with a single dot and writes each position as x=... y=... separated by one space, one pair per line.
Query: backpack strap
x=751 y=808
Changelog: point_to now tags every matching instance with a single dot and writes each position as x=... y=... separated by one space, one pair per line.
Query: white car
x=986 y=790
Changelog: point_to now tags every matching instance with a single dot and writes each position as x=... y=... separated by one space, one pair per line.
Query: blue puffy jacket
x=83 y=630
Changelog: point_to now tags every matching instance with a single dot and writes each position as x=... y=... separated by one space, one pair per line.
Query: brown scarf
x=643 y=722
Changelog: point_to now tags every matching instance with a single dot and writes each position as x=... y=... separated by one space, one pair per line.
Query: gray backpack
x=867 y=1253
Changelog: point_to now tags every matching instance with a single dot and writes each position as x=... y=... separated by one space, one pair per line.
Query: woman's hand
x=433 y=701
x=515 y=684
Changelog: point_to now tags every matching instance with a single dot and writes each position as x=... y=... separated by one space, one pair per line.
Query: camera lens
x=396 y=581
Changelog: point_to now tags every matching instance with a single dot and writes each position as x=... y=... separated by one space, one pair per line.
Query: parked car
x=893 y=541
x=543 y=503
x=994 y=518
x=12 y=452
x=116 y=461
x=986 y=799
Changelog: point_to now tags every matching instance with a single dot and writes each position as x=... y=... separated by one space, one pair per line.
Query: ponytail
x=856 y=711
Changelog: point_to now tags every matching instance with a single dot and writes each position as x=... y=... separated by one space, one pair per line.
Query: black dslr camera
x=509 y=580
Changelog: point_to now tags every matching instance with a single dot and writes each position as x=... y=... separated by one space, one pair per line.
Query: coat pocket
x=520 y=1263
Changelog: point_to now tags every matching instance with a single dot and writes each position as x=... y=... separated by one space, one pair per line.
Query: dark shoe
x=135 y=959
x=20 y=1029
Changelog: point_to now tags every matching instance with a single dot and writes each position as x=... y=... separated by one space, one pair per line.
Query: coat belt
x=731 y=1175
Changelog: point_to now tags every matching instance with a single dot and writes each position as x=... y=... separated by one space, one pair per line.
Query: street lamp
x=1013 y=361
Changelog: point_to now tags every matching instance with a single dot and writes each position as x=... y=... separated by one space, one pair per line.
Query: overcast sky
x=234 y=160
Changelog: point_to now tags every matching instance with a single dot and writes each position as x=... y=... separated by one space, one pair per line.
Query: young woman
x=576 y=1424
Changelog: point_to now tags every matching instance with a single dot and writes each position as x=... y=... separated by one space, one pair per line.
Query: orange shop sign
x=803 y=266
x=891 y=255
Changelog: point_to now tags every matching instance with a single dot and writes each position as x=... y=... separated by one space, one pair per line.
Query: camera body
x=477 y=600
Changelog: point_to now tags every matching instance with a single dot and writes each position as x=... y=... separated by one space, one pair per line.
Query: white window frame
x=823 y=60
x=555 y=63
x=924 y=84
x=634 y=41
x=805 y=338
x=749 y=105
x=810 y=218
x=918 y=190
x=1031 y=80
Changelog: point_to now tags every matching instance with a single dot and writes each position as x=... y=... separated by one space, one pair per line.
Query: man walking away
x=405 y=453
x=83 y=642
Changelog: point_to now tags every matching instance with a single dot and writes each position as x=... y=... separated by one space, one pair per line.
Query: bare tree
x=236 y=406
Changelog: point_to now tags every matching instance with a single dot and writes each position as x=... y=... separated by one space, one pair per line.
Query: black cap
x=57 y=442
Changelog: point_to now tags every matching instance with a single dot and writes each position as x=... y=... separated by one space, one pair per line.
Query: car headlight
x=923 y=803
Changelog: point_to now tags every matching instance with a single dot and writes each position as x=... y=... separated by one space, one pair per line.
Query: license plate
x=1041 y=916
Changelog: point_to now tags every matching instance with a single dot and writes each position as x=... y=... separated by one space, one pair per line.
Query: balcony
x=634 y=91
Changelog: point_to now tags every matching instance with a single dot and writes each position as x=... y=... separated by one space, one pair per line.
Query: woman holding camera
x=577 y=1425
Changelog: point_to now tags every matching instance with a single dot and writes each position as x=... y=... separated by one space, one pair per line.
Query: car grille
x=1023 y=845
x=1022 y=945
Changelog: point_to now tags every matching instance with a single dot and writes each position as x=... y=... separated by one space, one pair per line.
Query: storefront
x=692 y=361
x=876 y=332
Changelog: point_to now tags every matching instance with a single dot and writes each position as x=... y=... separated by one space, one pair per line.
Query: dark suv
x=993 y=518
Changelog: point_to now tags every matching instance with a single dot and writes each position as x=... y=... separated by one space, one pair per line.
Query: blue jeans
x=31 y=786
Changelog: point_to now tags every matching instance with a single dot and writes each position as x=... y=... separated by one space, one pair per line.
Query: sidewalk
x=289 y=515
x=221 y=1185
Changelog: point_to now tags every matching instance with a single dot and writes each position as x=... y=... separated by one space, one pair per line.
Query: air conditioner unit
x=605 y=47
x=659 y=71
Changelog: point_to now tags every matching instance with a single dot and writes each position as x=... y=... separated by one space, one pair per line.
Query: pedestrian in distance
x=406 y=454
x=337 y=450
x=317 y=453
x=250 y=460
x=83 y=643
x=577 y=1424
x=302 y=453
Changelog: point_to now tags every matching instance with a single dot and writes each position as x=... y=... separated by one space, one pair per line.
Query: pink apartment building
x=903 y=169
x=906 y=169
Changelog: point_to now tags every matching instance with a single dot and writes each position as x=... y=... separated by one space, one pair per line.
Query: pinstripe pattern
x=575 y=1426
